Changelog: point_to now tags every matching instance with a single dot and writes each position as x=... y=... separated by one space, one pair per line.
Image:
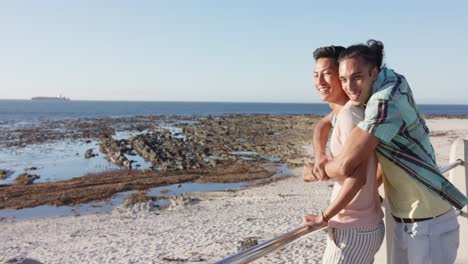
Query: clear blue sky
x=254 y=51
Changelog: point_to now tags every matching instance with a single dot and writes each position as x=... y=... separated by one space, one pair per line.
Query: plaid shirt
x=392 y=116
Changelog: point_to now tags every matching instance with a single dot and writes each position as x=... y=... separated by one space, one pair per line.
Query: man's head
x=326 y=76
x=359 y=68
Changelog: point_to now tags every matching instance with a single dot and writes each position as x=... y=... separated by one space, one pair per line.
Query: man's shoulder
x=388 y=85
x=351 y=113
x=351 y=109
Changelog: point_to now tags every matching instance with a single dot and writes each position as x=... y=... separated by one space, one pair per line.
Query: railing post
x=458 y=176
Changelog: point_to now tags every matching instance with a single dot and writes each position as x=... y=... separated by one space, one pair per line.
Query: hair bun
x=377 y=47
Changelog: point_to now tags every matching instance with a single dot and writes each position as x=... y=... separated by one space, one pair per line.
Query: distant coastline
x=45 y=98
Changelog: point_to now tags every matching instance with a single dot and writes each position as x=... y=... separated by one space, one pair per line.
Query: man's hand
x=321 y=132
x=319 y=167
x=308 y=173
x=313 y=221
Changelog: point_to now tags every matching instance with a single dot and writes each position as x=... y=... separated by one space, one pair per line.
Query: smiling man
x=419 y=196
x=354 y=206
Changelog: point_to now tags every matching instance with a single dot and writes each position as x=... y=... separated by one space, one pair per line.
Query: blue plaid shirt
x=392 y=116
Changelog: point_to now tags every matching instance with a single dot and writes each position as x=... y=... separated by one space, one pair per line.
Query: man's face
x=357 y=78
x=327 y=80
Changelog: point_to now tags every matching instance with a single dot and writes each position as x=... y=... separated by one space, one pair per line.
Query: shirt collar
x=385 y=75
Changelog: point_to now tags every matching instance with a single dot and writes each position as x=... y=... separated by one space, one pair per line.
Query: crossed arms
x=356 y=150
x=349 y=164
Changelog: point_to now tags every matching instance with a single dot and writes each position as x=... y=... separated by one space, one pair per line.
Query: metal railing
x=459 y=162
x=260 y=250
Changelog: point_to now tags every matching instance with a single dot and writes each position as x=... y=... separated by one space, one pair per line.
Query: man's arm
x=379 y=179
x=357 y=148
x=320 y=138
x=350 y=187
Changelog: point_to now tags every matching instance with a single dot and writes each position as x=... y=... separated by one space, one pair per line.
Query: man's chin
x=325 y=98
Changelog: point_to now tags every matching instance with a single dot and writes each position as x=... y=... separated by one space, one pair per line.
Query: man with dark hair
x=322 y=128
x=419 y=196
x=355 y=205
x=331 y=52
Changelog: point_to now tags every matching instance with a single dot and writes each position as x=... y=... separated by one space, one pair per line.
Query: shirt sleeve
x=382 y=119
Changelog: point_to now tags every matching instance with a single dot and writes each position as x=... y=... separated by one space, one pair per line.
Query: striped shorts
x=353 y=245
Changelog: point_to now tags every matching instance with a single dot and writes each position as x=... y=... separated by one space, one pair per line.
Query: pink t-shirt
x=365 y=208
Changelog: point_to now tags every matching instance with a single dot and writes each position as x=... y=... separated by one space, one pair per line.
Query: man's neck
x=337 y=106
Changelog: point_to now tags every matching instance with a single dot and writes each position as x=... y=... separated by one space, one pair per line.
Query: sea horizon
x=20 y=110
x=201 y=101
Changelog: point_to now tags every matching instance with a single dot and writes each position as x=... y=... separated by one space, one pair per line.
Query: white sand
x=200 y=233
x=444 y=132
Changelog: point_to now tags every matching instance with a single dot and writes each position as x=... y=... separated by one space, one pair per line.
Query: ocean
x=28 y=110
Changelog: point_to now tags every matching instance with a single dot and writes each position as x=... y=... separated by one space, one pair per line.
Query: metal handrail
x=260 y=250
x=459 y=162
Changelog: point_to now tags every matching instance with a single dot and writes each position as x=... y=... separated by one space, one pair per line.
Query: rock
x=295 y=162
x=108 y=133
x=247 y=243
x=25 y=178
x=166 y=135
x=4 y=174
x=181 y=201
x=30 y=169
x=137 y=203
x=147 y=206
x=146 y=146
x=213 y=162
x=166 y=152
x=111 y=148
x=89 y=154
x=135 y=198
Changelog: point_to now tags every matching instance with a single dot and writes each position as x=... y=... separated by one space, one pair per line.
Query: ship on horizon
x=46 y=98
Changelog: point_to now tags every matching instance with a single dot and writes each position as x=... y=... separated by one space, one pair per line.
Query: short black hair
x=372 y=53
x=331 y=52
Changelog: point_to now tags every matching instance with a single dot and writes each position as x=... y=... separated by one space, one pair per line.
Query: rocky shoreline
x=271 y=135
x=232 y=148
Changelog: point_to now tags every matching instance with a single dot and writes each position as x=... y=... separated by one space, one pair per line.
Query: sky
x=234 y=51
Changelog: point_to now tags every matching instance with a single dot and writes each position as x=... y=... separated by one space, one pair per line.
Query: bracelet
x=324 y=217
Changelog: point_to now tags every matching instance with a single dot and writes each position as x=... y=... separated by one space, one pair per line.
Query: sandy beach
x=202 y=228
